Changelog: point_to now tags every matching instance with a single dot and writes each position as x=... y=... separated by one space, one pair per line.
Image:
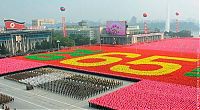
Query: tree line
x=183 y=33
x=69 y=41
x=3 y=50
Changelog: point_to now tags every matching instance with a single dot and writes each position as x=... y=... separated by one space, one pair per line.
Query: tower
x=64 y=26
x=177 y=22
x=145 y=23
x=62 y=9
x=167 y=23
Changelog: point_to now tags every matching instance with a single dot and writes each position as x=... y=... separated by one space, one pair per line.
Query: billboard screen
x=14 y=25
x=116 y=27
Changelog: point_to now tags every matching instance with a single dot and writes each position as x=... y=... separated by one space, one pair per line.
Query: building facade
x=106 y=38
x=83 y=30
x=43 y=22
x=23 y=41
x=133 y=35
x=130 y=39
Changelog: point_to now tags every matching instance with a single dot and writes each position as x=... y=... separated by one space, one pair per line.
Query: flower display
x=45 y=57
x=167 y=70
x=149 y=95
x=128 y=61
x=10 y=65
x=182 y=45
x=193 y=73
x=79 y=52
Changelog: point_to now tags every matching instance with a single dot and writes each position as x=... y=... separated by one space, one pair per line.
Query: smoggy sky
x=97 y=10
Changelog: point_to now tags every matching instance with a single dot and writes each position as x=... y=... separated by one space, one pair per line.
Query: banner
x=116 y=28
x=14 y=25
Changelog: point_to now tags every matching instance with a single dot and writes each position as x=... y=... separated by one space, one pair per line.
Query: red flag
x=14 y=25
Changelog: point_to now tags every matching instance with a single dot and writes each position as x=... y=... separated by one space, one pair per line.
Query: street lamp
x=101 y=40
x=74 y=43
x=90 y=40
x=127 y=40
x=58 y=42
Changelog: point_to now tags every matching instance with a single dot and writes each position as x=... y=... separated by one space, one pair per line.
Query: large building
x=130 y=38
x=83 y=30
x=118 y=32
x=133 y=21
x=23 y=41
x=97 y=32
x=43 y=22
x=130 y=33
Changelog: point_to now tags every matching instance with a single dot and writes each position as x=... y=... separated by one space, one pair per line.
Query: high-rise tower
x=62 y=9
x=167 y=23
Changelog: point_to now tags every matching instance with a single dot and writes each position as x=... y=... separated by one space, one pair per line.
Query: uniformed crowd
x=65 y=83
x=44 y=78
x=80 y=86
x=99 y=107
x=31 y=74
x=5 y=98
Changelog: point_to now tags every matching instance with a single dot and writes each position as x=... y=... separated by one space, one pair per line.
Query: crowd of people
x=30 y=74
x=80 y=86
x=44 y=78
x=66 y=83
x=5 y=98
x=99 y=106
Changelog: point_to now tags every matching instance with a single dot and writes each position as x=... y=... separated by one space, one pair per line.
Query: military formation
x=5 y=98
x=78 y=86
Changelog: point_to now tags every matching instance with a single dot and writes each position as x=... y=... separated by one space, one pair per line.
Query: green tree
x=64 y=41
x=46 y=45
x=43 y=45
x=37 y=46
x=71 y=40
x=93 y=41
x=184 y=33
x=80 y=40
x=3 y=50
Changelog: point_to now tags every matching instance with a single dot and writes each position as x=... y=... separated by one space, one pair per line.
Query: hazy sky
x=96 y=10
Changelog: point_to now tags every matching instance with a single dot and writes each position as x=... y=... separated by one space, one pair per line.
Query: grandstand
x=161 y=74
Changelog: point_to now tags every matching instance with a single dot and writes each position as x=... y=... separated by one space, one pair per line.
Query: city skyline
x=96 y=10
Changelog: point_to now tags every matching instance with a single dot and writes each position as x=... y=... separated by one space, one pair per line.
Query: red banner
x=14 y=25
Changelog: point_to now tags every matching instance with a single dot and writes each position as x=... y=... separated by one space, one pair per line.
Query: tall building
x=42 y=22
x=167 y=24
x=133 y=21
x=82 y=29
x=82 y=23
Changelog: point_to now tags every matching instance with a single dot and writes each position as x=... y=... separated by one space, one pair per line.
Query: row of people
x=25 y=75
x=96 y=80
x=5 y=98
x=5 y=107
x=99 y=106
x=44 y=78
x=32 y=73
x=76 y=88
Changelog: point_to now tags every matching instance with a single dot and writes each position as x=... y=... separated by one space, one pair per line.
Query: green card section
x=192 y=74
x=58 y=55
x=79 y=52
x=45 y=57
x=196 y=70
